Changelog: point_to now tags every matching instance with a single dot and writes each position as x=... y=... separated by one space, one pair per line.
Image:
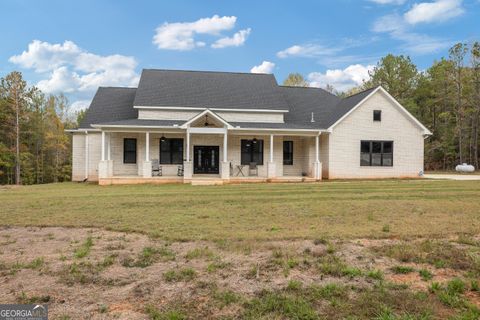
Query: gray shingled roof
x=206 y=89
x=114 y=106
x=345 y=105
x=303 y=101
x=142 y=122
x=110 y=104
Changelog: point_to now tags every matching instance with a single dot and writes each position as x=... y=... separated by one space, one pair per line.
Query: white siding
x=344 y=142
x=251 y=116
x=78 y=156
x=185 y=115
x=166 y=114
x=301 y=156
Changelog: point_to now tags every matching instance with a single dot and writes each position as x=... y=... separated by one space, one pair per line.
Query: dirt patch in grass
x=131 y=276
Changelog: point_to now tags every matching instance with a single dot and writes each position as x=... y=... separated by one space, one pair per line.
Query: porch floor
x=200 y=179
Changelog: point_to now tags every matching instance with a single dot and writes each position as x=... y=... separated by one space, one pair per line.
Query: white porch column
x=103 y=165
x=225 y=138
x=147 y=146
x=271 y=167
x=103 y=145
x=187 y=164
x=147 y=165
x=225 y=166
x=86 y=155
x=109 y=147
x=317 y=166
x=109 y=155
x=271 y=148
x=188 y=145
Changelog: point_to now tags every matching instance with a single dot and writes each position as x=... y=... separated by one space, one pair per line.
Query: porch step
x=206 y=182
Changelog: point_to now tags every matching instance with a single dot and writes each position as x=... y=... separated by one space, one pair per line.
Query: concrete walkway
x=453 y=176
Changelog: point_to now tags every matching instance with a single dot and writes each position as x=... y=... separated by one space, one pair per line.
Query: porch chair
x=252 y=169
x=156 y=168
x=231 y=169
x=180 y=170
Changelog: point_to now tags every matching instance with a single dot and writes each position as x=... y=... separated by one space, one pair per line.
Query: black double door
x=205 y=159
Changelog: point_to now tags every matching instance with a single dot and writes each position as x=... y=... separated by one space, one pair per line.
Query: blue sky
x=76 y=46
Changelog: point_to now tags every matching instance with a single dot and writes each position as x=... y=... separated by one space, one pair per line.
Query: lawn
x=374 y=209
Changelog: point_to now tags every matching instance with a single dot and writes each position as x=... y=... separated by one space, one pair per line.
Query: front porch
x=207 y=152
x=196 y=180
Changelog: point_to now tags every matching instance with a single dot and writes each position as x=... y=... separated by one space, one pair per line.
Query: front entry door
x=205 y=159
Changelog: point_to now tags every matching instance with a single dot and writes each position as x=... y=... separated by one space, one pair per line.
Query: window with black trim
x=376 y=153
x=377 y=115
x=171 y=151
x=129 y=150
x=288 y=153
x=252 y=151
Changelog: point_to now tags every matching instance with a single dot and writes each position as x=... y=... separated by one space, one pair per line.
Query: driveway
x=453 y=176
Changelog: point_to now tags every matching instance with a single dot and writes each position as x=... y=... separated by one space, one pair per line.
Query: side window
x=129 y=150
x=377 y=115
x=171 y=151
x=251 y=151
x=288 y=153
x=376 y=153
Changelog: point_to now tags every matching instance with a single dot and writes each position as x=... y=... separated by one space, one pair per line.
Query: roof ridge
x=307 y=87
x=318 y=88
x=210 y=71
x=363 y=91
x=113 y=87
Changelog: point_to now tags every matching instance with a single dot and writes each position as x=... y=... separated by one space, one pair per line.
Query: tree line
x=34 y=147
x=445 y=98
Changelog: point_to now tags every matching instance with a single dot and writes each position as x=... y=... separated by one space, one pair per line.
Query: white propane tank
x=464 y=168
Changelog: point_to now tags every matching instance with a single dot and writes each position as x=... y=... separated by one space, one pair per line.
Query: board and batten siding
x=184 y=115
x=344 y=141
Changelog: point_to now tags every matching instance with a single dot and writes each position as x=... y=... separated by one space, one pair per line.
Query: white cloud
x=308 y=50
x=265 y=67
x=60 y=80
x=397 y=2
x=43 y=56
x=437 y=11
x=70 y=69
x=341 y=80
x=79 y=105
x=400 y=29
x=236 y=40
x=421 y=43
x=389 y=23
x=181 y=35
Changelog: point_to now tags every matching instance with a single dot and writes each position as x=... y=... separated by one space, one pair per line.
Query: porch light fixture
x=254 y=140
x=162 y=138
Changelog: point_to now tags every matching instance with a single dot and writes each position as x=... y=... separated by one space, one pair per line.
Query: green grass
x=84 y=249
x=402 y=269
x=149 y=256
x=185 y=274
x=438 y=253
x=315 y=211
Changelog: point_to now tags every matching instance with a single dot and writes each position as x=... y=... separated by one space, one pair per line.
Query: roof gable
x=350 y=104
x=216 y=117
